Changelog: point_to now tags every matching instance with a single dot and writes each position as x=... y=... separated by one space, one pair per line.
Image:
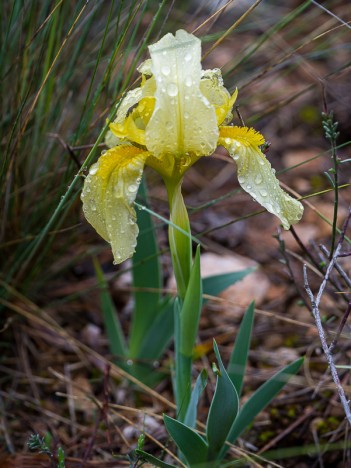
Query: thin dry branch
x=315 y=301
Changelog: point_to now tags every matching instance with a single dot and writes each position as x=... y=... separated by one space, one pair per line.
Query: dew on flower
x=188 y=81
x=152 y=123
x=165 y=70
x=93 y=169
x=172 y=89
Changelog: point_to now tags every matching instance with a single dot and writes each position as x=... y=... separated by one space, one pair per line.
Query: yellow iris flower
x=178 y=114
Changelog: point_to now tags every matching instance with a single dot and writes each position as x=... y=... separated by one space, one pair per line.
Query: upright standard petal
x=256 y=175
x=108 y=195
x=183 y=120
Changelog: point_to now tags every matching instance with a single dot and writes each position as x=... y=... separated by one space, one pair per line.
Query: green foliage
x=189 y=442
x=260 y=399
x=153 y=316
x=144 y=456
x=214 y=285
x=113 y=327
x=223 y=410
x=191 y=309
x=147 y=281
x=225 y=422
x=238 y=358
x=199 y=387
x=42 y=445
x=61 y=65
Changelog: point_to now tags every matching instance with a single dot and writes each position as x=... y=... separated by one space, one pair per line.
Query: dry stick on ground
x=315 y=310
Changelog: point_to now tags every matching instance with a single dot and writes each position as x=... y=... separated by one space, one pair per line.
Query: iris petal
x=108 y=195
x=133 y=127
x=256 y=175
x=183 y=120
x=211 y=86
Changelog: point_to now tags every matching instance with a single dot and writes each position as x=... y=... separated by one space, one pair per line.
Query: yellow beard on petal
x=245 y=135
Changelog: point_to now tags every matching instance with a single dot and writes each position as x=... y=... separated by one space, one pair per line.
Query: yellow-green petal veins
x=184 y=121
x=108 y=196
x=256 y=175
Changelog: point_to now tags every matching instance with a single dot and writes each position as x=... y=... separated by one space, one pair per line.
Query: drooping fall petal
x=256 y=175
x=108 y=196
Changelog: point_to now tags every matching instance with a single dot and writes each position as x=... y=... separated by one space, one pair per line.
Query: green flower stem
x=182 y=369
x=181 y=252
x=180 y=244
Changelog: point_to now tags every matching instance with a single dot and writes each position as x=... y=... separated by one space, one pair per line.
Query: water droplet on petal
x=263 y=193
x=188 y=57
x=188 y=81
x=93 y=169
x=165 y=70
x=241 y=179
x=172 y=89
x=93 y=205
x=169 y=125
x=133 y=188
x=258 y=179
x=186 y=115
